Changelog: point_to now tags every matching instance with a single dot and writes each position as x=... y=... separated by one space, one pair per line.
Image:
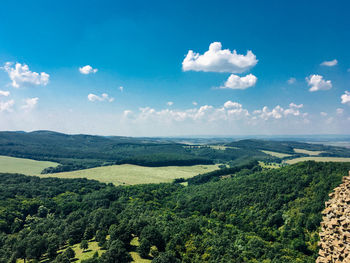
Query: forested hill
x=250 y=216
x=76 y=152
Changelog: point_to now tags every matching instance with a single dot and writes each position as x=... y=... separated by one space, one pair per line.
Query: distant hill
x=80 y=151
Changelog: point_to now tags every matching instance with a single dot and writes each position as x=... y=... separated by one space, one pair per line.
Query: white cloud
x=121 y=88
x=278 y=112
x=318 y=83
x=219 y=60
x=6 y=105
x=330 y=63
x=345 y=98
x=169 y=103
x=87 y=70
x=237 y=82
x=194 y=103
x=324 y=114
x=293 y=109
x=230 y=111
x=21 y=75
x=291 y=81
x=30 y=104
x=339 y=111
x=103 y=97
x=4 y=93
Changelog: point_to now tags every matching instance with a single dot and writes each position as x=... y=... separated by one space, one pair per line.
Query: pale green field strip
x=24 y=166
x=318 y=159
x=312 y=153
x=276 y=154
x=133 y=174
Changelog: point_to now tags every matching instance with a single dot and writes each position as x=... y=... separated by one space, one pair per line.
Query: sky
x=175 y=68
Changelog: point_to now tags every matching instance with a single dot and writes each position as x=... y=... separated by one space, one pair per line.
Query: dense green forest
x=243 y=215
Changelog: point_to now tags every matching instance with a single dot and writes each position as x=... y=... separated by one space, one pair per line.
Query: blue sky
x=141 y=46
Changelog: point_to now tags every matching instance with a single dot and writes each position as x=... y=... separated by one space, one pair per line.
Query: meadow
x=127 y=174
x=318 y=159
x=308 y=152
x=24 y=166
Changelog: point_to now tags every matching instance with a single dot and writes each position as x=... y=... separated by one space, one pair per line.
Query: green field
x=24 y=166
x=276 y=154
x=128 y=174
x=318 y=159
x=312 y=153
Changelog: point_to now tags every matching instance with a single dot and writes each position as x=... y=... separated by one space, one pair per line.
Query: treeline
x=251 y=216
x=215 y=175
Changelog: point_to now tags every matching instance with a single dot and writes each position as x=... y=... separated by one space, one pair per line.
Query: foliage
x=251 y=216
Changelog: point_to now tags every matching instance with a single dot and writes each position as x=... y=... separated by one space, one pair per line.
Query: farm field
x=276 y=154
x=127 y=174
x=23 y=166
x=318 y=159
x=308 y=152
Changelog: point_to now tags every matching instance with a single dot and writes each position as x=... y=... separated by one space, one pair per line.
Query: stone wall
x=335 y=227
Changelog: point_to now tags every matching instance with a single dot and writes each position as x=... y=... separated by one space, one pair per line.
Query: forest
x=243 y=214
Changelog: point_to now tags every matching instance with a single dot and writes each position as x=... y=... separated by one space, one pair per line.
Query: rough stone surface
x=335 y=227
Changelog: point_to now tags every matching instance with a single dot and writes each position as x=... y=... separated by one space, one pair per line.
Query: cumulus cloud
x=237 y=82
x=103 y=97
x=324 y=114
x=169 y=103
x=291 y=81
x=316 y=82
x=21 y=75
x=339 y=111
x=217 y=59
x=30 y=104
x=194 y=103
x=4 y=93
x=330 y=63
x=87 y=70
x=278 y=112
x=121 y=88
x=228 y=112
x=345 y=98
x=6 y=105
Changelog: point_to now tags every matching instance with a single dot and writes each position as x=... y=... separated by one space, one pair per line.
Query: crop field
x=312 y=153
x=23 y=166
x=127 y=174
x=318 y=159
x=276 y=154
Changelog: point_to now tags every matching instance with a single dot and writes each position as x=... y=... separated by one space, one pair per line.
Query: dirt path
x=335 y=233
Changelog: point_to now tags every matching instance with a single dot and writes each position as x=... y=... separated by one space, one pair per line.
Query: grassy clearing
x=133 y=174
x=135 y=256
x=82 y=255
x=311 y=153
x=23 y=166
x=318 y=159
x=276 y=154
x=270 y=165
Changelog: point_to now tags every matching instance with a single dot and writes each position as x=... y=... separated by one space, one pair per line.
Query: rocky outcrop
x=335 y=227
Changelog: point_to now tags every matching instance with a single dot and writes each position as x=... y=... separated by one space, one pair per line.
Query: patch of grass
x=133 y=174
x=82 y=255
x=312 y=153
x=318 y=159
x=136 y=256
x=270 y=165
x=276 y=154
x=23 y=166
